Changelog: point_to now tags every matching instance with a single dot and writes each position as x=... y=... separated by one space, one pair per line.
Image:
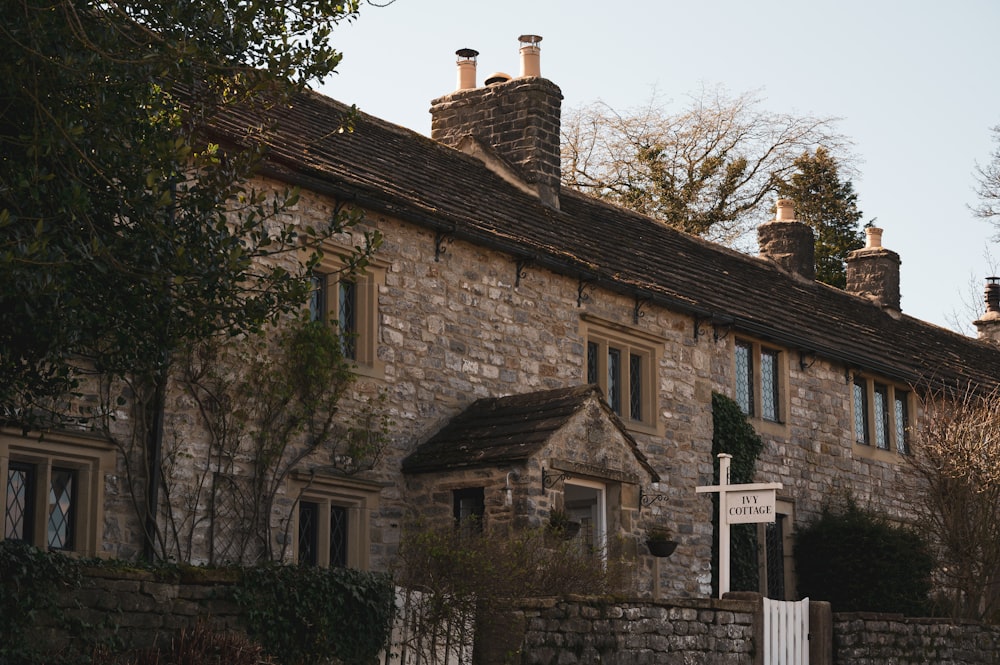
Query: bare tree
x=988 y=178
x=971 y=304
x=708 y=169
x=955 y=450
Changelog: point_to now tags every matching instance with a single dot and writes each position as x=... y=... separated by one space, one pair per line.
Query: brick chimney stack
x=988 y=325
x=873 y=272
x=788 y=243
x=516 y=120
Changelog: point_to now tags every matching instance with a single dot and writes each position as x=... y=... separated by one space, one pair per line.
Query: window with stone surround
x=760 y=380
x=469 y=507
x=332 y=523
x=350 y=302
x=622 y=362
x=53 y=490
x=881 y=414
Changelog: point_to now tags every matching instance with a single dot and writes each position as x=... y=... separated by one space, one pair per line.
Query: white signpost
x=738 y=504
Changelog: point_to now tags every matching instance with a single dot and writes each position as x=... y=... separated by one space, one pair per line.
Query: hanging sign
x=750 y=506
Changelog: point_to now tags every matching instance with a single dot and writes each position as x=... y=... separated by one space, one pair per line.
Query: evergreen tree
x=830 y=206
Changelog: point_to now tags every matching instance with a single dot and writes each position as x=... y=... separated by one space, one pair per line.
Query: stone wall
x=582 y=630
x=873 y=639
x=137 y=609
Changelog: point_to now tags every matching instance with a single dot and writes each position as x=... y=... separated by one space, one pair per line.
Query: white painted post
x=755 y=503
x=725 y=459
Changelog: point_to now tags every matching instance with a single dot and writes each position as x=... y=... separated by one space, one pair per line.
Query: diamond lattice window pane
x=860 y=413
x=60 y=532
x=744 y=378
x=902 y=445
x=338 y=537
x=769 y=385
x=17 y=517
x=347 y=316
x=635 y=386
x=881 y=418
x=615 y=380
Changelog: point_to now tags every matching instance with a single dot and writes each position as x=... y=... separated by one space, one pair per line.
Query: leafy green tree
x=123 y=230
x=830 y=206
x=708 y=168
x=125 y=233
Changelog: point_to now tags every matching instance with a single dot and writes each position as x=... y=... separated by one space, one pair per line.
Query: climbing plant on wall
x=732 y=434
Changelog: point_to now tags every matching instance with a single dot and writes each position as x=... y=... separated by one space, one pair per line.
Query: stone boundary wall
x=613 y=632
x=140 y=610
x=872 y=639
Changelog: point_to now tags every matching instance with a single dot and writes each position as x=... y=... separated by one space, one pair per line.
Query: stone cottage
x=541 y=349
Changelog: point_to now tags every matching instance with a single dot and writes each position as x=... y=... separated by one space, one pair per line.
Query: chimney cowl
x=873 y=237
x=466 y=68
x=497 y=77
x=530 y=55
x=988 y=325
x=785 y=211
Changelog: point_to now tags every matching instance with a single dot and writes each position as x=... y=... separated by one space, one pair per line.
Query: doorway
x=586 y=503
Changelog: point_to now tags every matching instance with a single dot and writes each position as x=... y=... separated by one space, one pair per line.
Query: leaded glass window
x=623 y=369
x=615 y=380
x=317 y=297
x=861 y=412
x=635 y=386
x=308 y=533
x=769 y=385
x=902 y=423
x=62 y=500
x=881 y=417
x=593 y=370
x=19 y=515
x=347 y=306
x=744 y=377
x=338 y=537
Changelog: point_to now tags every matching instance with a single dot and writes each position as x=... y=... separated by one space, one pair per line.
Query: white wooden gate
x=786 y=632
x=421 y=636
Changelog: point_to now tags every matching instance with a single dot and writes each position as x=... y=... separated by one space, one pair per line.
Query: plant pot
x=661 y=548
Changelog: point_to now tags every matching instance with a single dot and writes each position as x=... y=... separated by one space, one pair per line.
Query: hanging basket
x=661 y=548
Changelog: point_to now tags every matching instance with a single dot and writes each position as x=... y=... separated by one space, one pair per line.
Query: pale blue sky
x=914 y=82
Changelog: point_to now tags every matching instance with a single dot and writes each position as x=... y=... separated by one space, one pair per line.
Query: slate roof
x=392 y=170
x=495 y=431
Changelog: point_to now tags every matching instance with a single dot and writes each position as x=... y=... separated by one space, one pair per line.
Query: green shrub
x=30 y=582
x=305 y=615
x=859 y=561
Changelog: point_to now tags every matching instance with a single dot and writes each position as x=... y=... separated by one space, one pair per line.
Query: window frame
x=359 y=498
x=882 y=429
x=362 y=347
x=777 y=396
x=88 y=458
x=635 y=348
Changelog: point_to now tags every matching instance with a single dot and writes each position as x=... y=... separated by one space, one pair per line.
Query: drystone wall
x=873 y=639
x=137 y=609
x=636 y=633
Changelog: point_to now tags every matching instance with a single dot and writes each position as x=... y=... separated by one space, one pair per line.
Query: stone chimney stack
x=988 y=324
x=873 y=272
x=788 y=243
x=515 y=119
